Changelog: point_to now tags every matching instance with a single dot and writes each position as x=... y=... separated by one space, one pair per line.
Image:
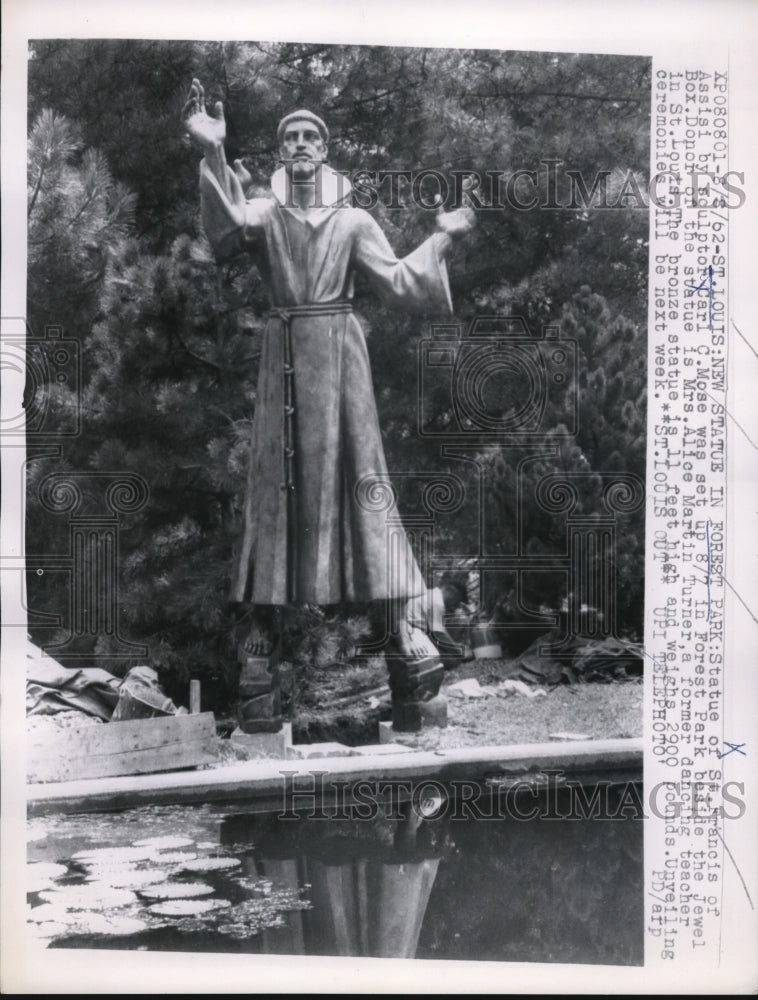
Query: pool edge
x=264 y=782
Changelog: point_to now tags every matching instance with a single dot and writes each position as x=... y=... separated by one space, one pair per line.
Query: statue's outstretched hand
x=456 y=223
x=208 y=131
x=461 y=220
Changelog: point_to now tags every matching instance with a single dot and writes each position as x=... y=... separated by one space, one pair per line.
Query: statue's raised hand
x=456 y=223
x=208 y=131
x=461 y=220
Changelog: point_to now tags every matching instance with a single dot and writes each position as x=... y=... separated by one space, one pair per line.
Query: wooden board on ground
x=139 y=746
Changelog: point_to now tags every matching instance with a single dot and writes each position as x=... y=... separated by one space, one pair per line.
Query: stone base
x=415 y=680
x=413 y=716
x=262 y=714
x=264 y=746
x=389 y=738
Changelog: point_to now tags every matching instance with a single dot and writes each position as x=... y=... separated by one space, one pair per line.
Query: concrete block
x=262 y=714
x=307 y=751
x=264 y=746
x=382 y=749
x=388 y=737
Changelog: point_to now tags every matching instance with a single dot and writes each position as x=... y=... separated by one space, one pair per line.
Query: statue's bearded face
x=302 y=148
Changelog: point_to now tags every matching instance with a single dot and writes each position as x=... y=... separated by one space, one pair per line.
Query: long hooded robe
x=314 y=530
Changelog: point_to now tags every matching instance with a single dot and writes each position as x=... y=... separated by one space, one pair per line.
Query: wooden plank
x=194 y=697
x=262 y=784
x=139 y=746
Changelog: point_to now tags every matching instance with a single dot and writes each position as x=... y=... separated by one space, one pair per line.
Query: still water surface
x=213 y=879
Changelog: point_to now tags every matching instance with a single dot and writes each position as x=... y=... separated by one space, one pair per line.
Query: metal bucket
x=485 y=643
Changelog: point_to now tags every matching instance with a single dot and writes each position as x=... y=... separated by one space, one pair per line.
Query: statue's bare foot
x=413 y=644
x=259 y=641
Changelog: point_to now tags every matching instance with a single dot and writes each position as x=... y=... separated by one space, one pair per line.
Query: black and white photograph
x=368 y=592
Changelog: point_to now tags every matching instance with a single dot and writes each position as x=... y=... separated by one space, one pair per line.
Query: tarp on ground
x=51 y=687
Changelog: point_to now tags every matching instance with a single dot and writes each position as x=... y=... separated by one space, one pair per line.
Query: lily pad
x=42 y=874
x=50 y=929
x=129 y=879
x=105 y=868
x=85 y=897
x=176 y=890
x=46 y=869
x=111 y=855
x=98 y=923
x=164 y=842
x=51 y=912
x=188 y=907
x=211 y=864
x=173 y=857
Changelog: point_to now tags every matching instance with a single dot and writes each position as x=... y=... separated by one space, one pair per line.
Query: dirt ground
x=331 y=707
x=344 y=703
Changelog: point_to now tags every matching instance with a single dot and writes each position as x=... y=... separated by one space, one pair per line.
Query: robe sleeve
x=231 y=226
x=418 y=282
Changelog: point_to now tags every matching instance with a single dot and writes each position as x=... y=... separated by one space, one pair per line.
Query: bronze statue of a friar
x=307 y=538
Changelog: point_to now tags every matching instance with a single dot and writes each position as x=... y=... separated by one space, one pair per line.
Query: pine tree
x=77 y=214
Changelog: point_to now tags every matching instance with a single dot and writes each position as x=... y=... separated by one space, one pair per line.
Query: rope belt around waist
x=286 y=314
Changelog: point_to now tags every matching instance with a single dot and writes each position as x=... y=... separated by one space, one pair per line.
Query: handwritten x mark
x=732 y=748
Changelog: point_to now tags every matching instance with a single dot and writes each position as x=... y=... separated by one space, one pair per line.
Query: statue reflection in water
x=369 y=882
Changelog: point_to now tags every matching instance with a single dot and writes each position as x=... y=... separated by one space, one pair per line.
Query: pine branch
x=558 y=94
x=36 y=191
x=216 y=409
x=198 y=357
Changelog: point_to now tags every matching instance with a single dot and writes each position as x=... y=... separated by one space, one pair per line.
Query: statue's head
x=302 y=138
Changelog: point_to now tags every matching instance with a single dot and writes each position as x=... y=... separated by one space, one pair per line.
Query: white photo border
x=669 y=32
